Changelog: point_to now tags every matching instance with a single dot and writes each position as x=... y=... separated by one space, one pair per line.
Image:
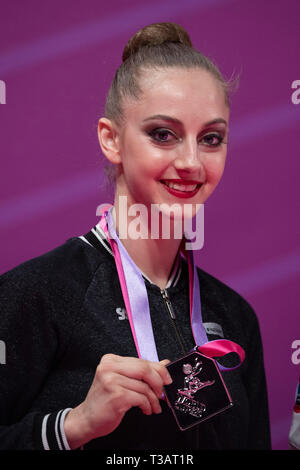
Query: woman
x=74 y=376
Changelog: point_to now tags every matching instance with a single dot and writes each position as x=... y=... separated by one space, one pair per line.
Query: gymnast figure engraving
x=185 y=401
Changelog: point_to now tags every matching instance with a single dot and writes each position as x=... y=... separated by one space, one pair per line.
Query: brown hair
x=158 y=45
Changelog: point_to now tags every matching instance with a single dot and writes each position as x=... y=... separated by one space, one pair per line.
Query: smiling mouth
x=188 y=188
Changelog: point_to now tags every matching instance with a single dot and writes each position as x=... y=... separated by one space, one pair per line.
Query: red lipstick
x=177 y=192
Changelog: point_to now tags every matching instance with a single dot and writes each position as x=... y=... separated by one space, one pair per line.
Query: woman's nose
x=188 y=158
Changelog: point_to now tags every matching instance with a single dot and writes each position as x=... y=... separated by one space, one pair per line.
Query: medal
x=198 y=391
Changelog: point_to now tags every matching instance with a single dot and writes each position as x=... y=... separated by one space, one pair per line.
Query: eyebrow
x=172 y=119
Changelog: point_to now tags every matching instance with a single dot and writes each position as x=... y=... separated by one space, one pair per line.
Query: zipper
x=172 y=316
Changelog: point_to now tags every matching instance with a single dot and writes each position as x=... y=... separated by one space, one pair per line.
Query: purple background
x=58 y=58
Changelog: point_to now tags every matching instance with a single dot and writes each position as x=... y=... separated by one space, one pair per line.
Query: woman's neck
x=153 y=256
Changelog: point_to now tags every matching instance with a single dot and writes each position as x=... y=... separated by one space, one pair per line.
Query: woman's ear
x=109 y=140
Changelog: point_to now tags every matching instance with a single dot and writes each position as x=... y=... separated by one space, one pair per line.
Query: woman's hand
x=119 y=384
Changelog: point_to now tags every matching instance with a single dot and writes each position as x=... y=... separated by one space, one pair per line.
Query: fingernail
x=169 y=380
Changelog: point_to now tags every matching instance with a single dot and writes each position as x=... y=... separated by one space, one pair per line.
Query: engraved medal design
x=197 y=392
x=185 y=401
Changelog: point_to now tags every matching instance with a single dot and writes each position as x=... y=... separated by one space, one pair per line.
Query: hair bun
x=154 y=35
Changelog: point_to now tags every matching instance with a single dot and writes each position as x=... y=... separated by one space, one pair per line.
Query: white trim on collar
x=176 y=269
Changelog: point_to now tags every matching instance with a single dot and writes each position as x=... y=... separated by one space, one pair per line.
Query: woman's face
x=173 y=143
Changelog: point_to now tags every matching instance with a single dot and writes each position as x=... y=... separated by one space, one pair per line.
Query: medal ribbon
x=137 y=306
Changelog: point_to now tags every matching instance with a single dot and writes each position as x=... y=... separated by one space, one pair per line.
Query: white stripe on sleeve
x=44 y=433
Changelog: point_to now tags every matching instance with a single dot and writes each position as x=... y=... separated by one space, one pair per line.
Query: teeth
x=181 y=187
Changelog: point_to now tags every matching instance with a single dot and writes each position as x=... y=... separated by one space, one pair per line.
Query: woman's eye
x=212 y=140
x=161 y=135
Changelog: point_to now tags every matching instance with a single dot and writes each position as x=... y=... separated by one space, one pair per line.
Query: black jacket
x=60 y=312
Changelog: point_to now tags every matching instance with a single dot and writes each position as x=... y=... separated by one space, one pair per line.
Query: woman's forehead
x=179 y=92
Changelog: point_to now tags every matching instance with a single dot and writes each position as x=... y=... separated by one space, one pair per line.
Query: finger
x=163 y=371
x=165 y=362
x=132 y=398
x=142 y=388
x=140 y=369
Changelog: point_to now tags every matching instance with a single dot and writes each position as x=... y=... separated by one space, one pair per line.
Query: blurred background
x=57 y=60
